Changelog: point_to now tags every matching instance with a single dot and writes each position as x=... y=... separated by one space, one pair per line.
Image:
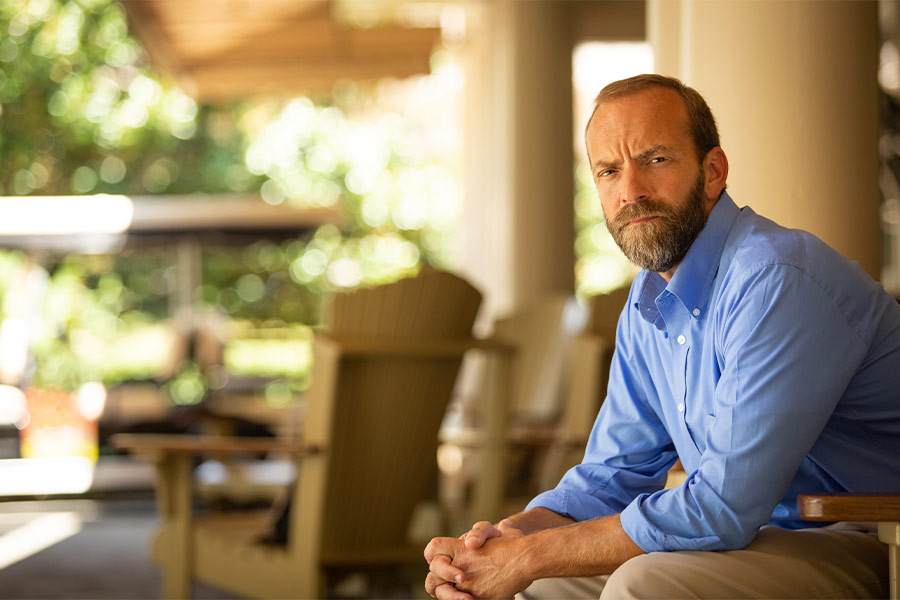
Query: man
x=764 y=360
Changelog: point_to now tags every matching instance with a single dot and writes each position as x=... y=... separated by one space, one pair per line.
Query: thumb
x=480 y=533
x=506 y=526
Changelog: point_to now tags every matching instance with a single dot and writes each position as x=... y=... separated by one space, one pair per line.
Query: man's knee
x=572 y=588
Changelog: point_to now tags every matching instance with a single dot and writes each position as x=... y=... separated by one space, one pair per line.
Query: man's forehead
x=660 y=102
x=657 y=113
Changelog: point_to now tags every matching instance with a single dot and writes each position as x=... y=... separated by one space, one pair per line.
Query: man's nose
x=633 y=186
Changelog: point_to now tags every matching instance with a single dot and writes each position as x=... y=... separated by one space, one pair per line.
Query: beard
x=660 y=244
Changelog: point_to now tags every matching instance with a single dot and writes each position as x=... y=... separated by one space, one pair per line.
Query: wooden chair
x=883 y=509
x=558 y=383
x=587 y=379
x=383 y=375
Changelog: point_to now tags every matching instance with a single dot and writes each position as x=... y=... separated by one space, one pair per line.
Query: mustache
x=638 y=210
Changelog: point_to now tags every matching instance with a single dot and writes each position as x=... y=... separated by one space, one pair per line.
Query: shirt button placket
x=682 y=340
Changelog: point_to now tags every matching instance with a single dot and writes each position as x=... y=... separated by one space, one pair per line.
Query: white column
x=519 y=163
x=793 y=86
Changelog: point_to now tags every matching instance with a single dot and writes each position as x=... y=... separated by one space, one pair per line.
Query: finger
x=480 y=533
x=441 y=568
x=448 y=592
x=439 y=546
x=432 y=582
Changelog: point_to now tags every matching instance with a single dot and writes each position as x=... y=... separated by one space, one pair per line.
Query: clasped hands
x=482 y=563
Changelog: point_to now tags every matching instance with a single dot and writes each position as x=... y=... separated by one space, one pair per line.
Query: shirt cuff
x=637 y=528
x=660 y=536
x=575 y=505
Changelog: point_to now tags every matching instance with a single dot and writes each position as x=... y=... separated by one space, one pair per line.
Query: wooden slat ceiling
x=227 y=49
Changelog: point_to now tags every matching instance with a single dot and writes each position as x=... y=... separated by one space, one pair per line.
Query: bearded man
x=763 y=359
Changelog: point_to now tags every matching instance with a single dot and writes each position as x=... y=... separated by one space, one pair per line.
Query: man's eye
x=605 y=173
x=658 y=159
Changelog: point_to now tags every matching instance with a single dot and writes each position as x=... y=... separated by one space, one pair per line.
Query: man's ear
x=715 y=166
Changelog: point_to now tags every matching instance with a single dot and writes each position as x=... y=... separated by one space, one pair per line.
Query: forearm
x=538 y=519
x=592 y=547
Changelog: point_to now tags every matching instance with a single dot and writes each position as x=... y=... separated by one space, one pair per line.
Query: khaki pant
x=832 y=562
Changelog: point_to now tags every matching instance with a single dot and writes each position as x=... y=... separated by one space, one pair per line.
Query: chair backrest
x=604 y=313
x=592 y=356
x=588 y=378
x=542 y=333
x=384 y=410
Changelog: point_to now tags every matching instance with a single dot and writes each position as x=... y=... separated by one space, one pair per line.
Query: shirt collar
x=693 y=278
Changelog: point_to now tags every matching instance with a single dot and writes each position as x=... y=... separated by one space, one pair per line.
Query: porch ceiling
x=226 y=49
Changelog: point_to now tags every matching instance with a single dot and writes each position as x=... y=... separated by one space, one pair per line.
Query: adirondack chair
x=510 y=436
x=383 y=375
x=587 y=378
x=559 y=376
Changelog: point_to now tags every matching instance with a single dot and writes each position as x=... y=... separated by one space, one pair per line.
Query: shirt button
x=696 y=312
x=681 y=340
x=681 y=407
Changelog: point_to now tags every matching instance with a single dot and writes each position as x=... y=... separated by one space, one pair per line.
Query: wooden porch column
x=793 y=86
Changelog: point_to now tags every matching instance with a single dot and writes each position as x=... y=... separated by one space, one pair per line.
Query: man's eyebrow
x=653 y=151
x=641 y=156
x=605 y=164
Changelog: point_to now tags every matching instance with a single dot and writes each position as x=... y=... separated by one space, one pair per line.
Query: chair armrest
x=413 y=348
x=849 y=507
x=201 y=444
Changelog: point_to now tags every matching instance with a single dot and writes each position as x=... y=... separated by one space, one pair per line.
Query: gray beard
x=661 y=244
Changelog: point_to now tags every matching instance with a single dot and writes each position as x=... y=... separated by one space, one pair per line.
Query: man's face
x=659 y=244
x=651 y=185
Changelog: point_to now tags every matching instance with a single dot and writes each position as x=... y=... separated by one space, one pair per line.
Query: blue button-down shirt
x=769 y=364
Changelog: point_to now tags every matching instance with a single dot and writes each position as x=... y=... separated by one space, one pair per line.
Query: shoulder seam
x=780 y=262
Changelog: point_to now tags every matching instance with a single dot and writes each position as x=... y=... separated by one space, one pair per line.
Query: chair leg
x=174 y=473
x=889 y=533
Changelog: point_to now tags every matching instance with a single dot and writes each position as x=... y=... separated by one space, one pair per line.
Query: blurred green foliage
x=82 y=112
x=600 y=266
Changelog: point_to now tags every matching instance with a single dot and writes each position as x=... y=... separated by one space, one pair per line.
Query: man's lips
x=641 y=220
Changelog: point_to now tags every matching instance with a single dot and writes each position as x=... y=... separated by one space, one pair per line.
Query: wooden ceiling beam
x=144 y=25
x=222 y=82
x=305 y=39
x=275 y=50
x=225 y=30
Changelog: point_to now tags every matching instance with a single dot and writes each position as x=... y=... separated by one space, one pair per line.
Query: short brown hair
x=702 y=124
